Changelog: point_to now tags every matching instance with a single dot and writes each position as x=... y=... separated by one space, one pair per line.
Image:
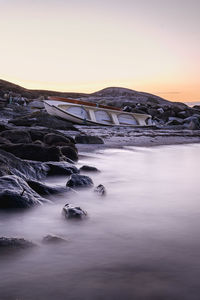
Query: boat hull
x=90 y=115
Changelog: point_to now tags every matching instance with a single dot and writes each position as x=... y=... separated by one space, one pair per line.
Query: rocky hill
x=115 y=96
x=6 y=86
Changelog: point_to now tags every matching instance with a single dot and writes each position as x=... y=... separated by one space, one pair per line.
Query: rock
x=9 y=164
x=174 y=121
x=77 y=180
x=15 y=193
x=183 y=114
x=17 y=136
x=127 y=108
x=88 y=169
x=43 y=119
x=38 y=134
x=53 y=139
x=70 y=212
x=43 y=189
x=4 y=127
x=100 y=190
x=38 y=104
x=69 y=152
x=192 y=123
x=86 y=139
x=4 y=141
x=60 y=168
x=34 y=152
x=196 y=107
x=160 y=110
x=14 y=243
x=53 y=239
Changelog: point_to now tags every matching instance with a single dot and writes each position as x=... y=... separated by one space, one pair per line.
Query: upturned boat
x=87 y=113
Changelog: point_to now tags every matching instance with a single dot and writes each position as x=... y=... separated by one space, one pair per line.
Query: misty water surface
x=141 y=241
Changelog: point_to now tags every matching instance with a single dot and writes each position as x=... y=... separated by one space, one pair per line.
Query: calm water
x=139 y=242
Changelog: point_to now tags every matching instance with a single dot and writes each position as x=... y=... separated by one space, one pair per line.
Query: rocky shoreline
x=35 y=146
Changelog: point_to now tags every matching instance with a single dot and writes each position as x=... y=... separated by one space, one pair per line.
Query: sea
x=140 y=241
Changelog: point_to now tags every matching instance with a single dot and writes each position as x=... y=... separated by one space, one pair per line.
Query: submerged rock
x=70 y=211
x=15 y=193
x=77 y=180
x=89 y=169
x=14 y=243
x=53 y=239
x=100 y=190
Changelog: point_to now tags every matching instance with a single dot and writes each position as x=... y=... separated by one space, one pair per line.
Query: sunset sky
x=87 y=45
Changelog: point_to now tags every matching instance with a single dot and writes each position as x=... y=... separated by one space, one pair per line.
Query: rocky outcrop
x=34 y=152
x=15 y=193
x=17 y=136
x=79 y=181
x=11 y=165
x=44 y=190
x=43 y=119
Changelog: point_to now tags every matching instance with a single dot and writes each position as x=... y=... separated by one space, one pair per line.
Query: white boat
x=86 y=113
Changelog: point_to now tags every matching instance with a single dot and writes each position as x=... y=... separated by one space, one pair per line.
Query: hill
x=115 y=96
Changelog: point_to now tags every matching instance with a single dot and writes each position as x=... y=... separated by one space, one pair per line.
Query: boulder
x=3 y=127
x=36 y=104
x=11 y=165
x=88 y=169
x=53 y=139
x=100 y=190
x=15 y=193
x=192 y=123
x=197 y=107
x=77 y=180
x=71 y=212
x=60 y=168
x=34 y=152
x=174 y=121
x=69 y=152
x=88 y=139
x=4 y=141
x=17 y=136
x=42 y=118
x=43 y=189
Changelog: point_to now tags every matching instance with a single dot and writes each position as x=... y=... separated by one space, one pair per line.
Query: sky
x=86 y=45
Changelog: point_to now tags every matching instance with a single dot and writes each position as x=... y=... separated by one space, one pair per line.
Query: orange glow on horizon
x=151 y=46
x=172 y=93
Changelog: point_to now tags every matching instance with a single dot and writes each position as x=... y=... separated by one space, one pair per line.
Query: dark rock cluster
x=34 y=146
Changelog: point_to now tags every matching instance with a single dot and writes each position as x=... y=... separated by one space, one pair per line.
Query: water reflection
x=139 y=242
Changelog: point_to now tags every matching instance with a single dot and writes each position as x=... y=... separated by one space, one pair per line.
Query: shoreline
x=137 y=138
